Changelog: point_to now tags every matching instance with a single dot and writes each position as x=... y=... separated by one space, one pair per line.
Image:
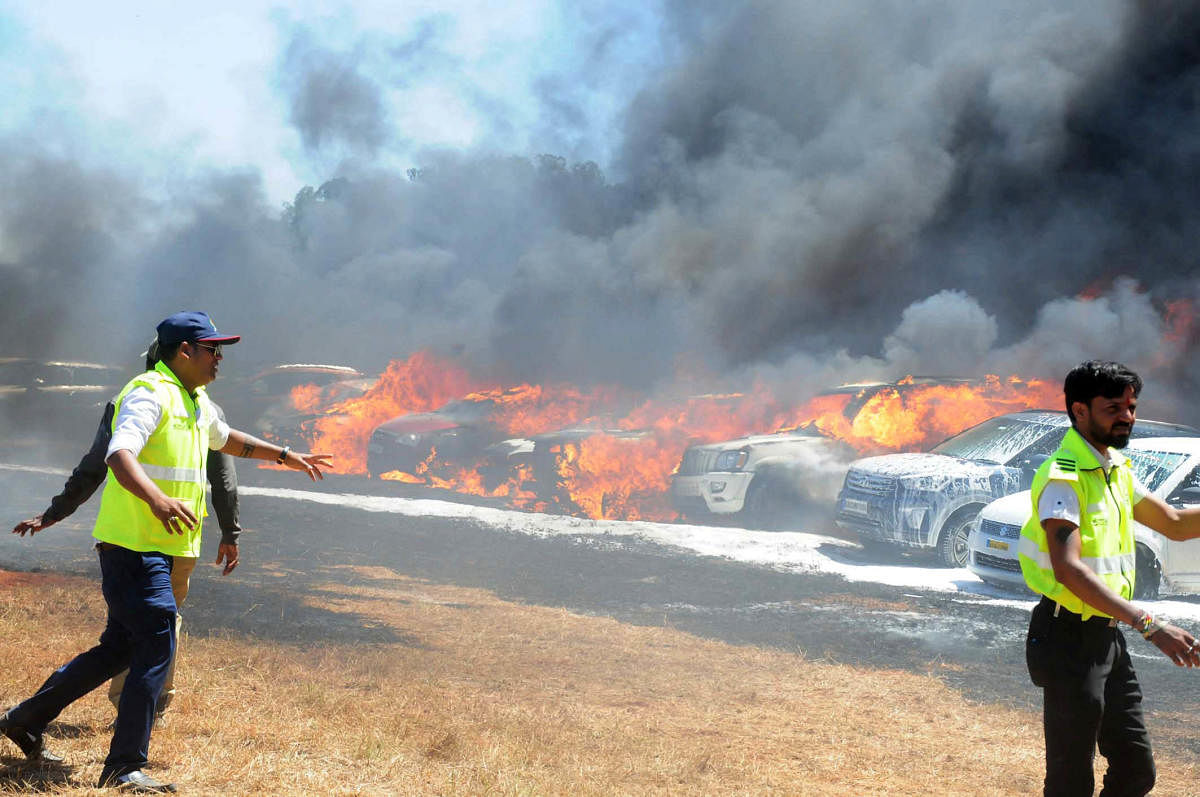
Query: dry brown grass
x=502 y=698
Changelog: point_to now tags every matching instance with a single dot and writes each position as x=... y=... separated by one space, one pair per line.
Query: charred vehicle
x=930 y=500
x=292 y=420
x=1167 y=467
x=534 y=462
x=275 y=400
x=457 y=432
x=60 y=395
x=775 y=480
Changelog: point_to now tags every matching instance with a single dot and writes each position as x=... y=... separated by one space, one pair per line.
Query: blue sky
x=164 y=89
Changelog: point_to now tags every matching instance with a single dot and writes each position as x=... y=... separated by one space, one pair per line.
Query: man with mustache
x=1077 y=551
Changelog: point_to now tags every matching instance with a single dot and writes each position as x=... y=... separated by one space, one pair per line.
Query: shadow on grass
x=285 y=605
x=18 y=776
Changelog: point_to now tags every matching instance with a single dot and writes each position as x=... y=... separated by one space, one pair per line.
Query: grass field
x=485 y=696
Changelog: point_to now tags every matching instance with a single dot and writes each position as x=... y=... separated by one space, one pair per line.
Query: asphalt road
x=972 y=643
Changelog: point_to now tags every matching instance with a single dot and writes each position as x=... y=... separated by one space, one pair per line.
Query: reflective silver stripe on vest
x=1029 y=549
x=1103 y=565
x=1100 y=565
x=165 y=474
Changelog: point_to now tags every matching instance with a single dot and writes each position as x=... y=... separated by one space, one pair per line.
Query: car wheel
x=762 y=509
x=953 y=547
x=1147 y=581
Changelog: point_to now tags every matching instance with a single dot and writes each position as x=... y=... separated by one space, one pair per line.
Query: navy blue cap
x=191 y=325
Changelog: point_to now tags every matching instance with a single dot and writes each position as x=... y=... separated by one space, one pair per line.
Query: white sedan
x=1168 y=466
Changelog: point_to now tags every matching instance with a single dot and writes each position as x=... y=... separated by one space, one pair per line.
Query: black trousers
x=1091 y=698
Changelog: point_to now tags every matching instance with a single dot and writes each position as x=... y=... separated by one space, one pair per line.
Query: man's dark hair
x=1098 y=378
x=165 y=353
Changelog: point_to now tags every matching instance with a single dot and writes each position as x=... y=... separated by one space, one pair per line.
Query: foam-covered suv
x=931 y=500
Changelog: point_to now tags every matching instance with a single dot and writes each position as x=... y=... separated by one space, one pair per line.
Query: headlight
x=731 y=460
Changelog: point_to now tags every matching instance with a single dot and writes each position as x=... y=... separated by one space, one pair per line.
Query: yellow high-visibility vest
x=174 y=458
x=1106 y=535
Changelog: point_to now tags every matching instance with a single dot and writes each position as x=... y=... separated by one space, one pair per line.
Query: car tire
x=954 y=548
x=762 y=509
x=1148 y=577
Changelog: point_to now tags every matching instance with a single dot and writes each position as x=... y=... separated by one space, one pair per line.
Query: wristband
x=1153 y=628
x=1147 y=625
x=282 y=455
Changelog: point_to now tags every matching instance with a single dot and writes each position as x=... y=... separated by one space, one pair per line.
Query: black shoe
x=31 y=744
x=136 y=781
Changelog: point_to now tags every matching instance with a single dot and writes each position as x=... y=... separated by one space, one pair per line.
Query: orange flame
x=421 y=383
x=307 y=398
x=1180 y=321
x=625 y=472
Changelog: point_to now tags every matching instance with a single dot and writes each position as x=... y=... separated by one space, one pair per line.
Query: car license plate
x=854 y=506
x=687 y=488
x=998 y=545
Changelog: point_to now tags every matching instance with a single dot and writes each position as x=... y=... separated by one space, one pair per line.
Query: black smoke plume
x=814 y=192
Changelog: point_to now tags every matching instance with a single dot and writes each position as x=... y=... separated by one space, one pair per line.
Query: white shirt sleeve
x=136 y=421
x=1058 y=500
x=218 y=433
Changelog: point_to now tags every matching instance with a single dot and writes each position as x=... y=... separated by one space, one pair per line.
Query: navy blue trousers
x=139 y=635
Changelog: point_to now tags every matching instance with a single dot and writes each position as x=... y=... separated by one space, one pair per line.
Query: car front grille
x=696 y=461
x=1004 y=531
x=997 y=563
x=871 y=485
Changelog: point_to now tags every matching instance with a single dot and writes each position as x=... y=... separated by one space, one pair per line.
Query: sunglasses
x=215 y=348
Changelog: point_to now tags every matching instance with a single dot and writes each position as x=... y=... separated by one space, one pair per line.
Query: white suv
x=1168 y=466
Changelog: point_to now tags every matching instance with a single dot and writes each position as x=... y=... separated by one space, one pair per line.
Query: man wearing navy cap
x=150 y=512
x=89 y=475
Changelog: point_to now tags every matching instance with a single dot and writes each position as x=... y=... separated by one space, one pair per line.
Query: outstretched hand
x=33 y=525
x=309 y=463
x=1179 y=646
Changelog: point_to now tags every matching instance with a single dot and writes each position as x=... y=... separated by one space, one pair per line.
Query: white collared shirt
x=138 y=418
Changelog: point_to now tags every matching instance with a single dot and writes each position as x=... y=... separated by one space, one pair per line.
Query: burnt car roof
x=345 y=371
x=907 y=381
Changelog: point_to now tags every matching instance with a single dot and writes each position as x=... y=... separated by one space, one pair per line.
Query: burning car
x=456 y=432
x=1169 y=467
x=535 y=463
x=279 y=402
x=930 y=500
x=766 y=479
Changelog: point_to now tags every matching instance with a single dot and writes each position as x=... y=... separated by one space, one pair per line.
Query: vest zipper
x=1116 y=503
x=1120 y=514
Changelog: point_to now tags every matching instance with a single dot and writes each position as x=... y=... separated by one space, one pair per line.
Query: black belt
x=1061 y=613
x=106 y=546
